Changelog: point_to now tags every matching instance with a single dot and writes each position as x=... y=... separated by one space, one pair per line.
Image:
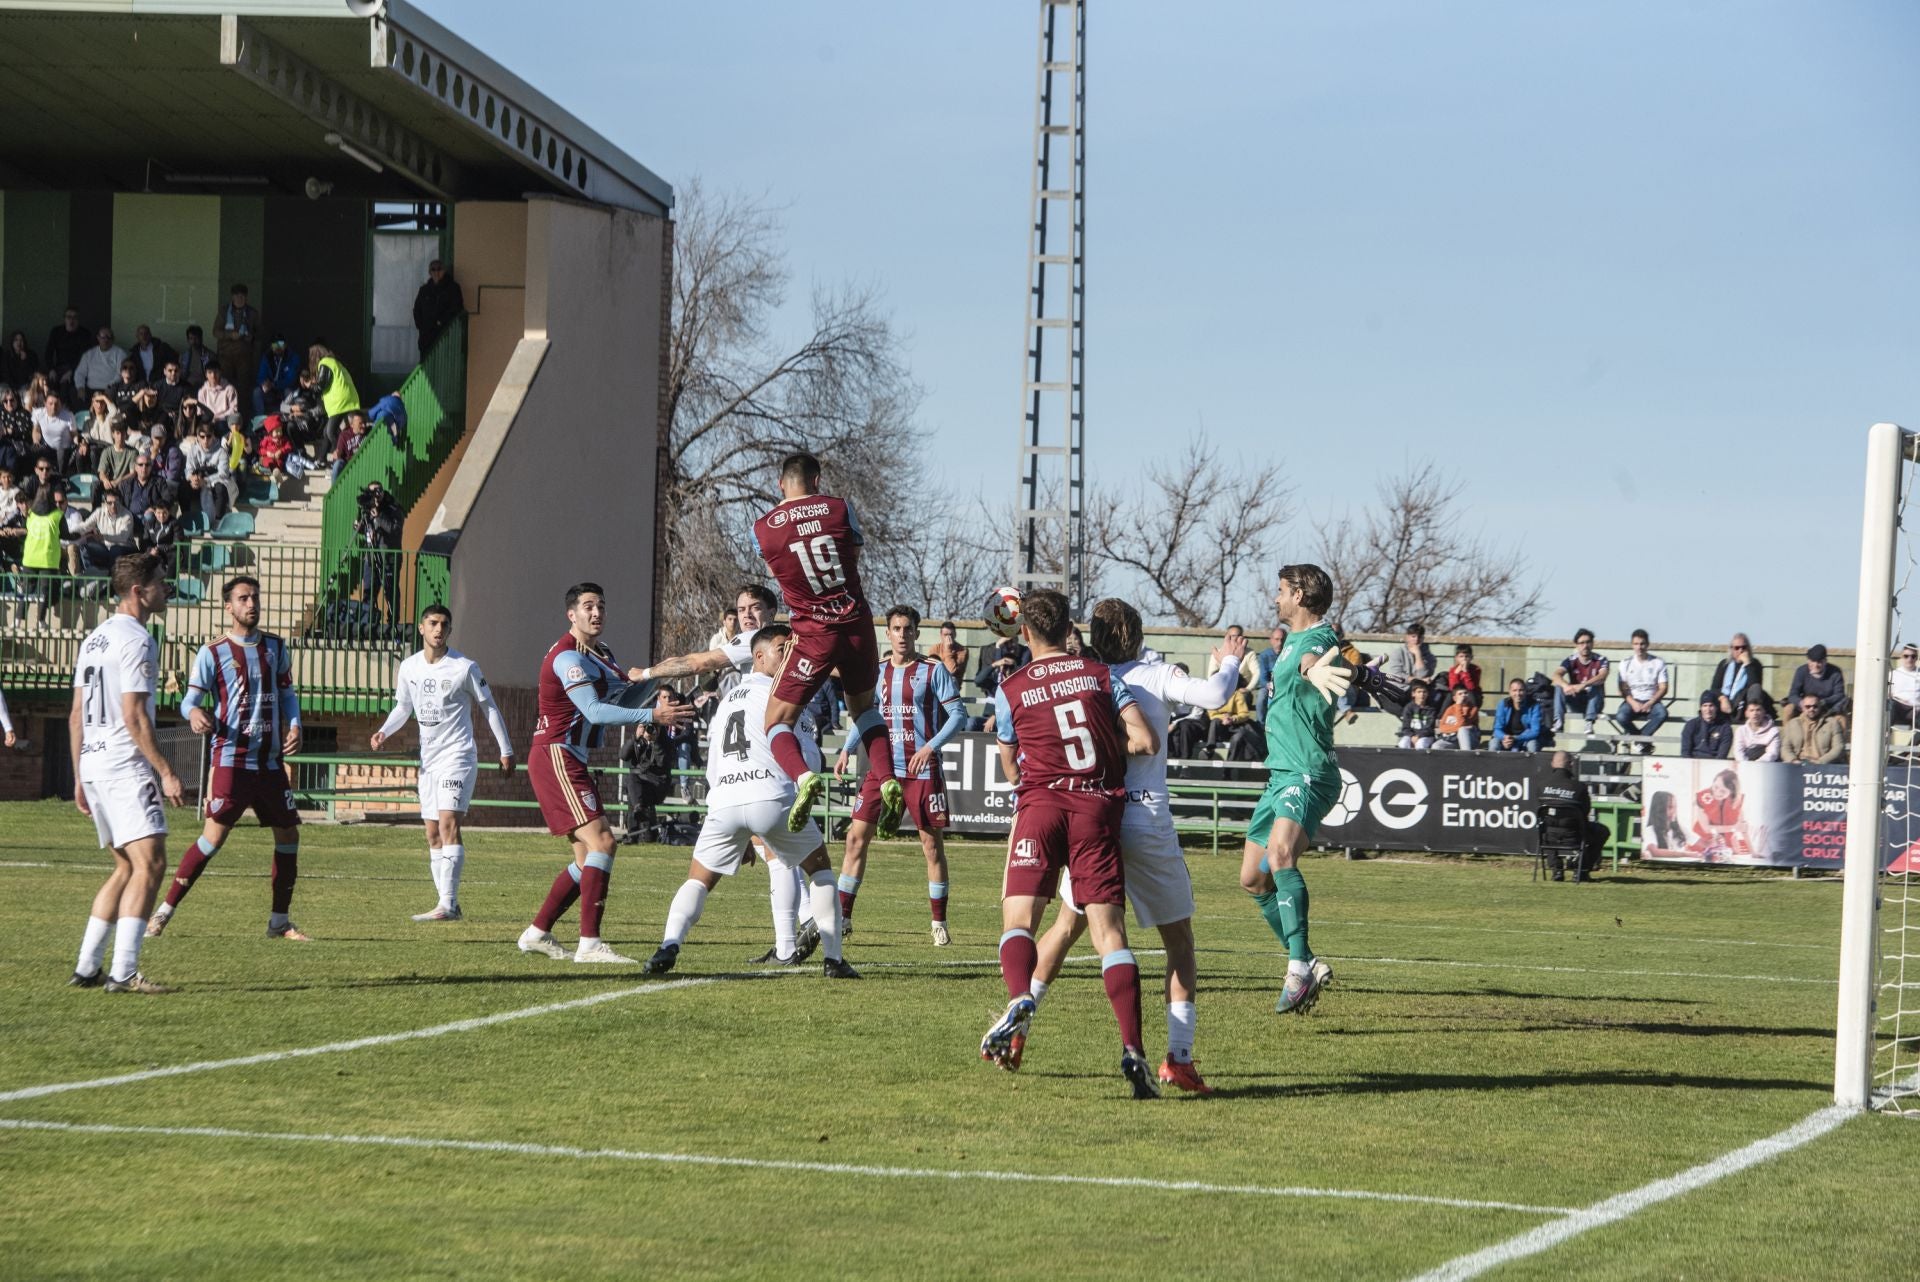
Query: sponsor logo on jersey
x=777 y=517
x=1026 y=854
x=428 y=686
x=452 y=785
x=575 y=675
x=804 y=666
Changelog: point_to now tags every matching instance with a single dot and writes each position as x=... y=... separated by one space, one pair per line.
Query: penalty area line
x=378 y=1039
x=1618 y=1207
x=775 y=1164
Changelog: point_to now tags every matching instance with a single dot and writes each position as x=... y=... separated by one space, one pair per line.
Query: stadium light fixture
x=335 y=140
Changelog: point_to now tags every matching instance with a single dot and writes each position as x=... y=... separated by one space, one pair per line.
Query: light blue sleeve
x=1002 y=717
x=853 y=524
x=289 y=696
x=949 y=696
x=1122 y=694
x=200 y=683
x=601 y=713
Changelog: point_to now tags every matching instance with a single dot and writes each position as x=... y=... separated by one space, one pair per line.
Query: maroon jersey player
x=811 y=543
x=1065 y=725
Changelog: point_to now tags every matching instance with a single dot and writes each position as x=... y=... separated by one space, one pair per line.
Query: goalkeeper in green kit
x=1303 y=775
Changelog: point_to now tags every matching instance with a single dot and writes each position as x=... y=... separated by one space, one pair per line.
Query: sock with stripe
x=565 y=889
x=286 y=871
x=849 y=891
x=1018 y=956
x=1121 y=975
x=192 y=864
x=937 y=899
x=1181 y=1022
x=688 y=901
x=93 y=946
x=785 y=746
x=128 y=934
x=593 y=892
x=452 y=860
x=826 y=912
x=878 y=743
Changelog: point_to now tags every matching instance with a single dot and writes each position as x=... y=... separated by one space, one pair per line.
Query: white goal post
x=1877 y=1032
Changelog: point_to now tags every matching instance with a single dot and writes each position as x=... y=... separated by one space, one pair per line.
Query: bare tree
x=738 y=400
x=1411 y=560
x=1189 y=531
x=938 y=562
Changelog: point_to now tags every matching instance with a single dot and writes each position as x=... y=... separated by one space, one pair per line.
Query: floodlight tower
x=1050 y=548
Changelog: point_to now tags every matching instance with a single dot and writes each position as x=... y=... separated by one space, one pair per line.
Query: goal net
x=1877 y=1052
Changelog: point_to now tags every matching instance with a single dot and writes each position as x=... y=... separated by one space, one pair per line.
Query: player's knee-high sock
x=1036 y=989
x=128 y=934
x=1290 y=890
x=785 y=746
x=452 y=860
x=1018 y=956
x=1181 y=1019
x=937 y=899
x=1121 y=974
x=593 y=892
x=1269 y=906
x=878 y=743
x=826 y=912
x=192 y=864
x=688 y=901
x=286 y=871
x=849 y=891
x=93 y=946
x=565 y=889
x=437 y=866
x=802 y=897
x=783 y=891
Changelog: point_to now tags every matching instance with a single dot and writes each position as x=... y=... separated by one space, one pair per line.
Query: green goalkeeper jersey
x=1299 y=721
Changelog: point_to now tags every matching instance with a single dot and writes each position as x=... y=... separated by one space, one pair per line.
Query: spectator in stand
x=144 y=490
x=235 y=330
x=1581 y=681
x=1186 y=730
x=217 y=397
x=98 y=368
x=18 y=364
x=148 y=354
x=1903 y=690
x=54 y=432
x=126 y=389
x=172 y=390
x=1234 y=632
x=209 y=475
x=105 y=536
x=12 y=515
x=1708 y=736
x=1736 y=675
x=276 y=458
x=390 y=412
x=16 y=420
x=1643 y=691
x=1413 y=661
x=1821 y=679
x=169 y=464
x=1816 y=737
x=437 y=304
x=1007 y=655
x=1232 y=725
x=952 y=655
x=302 y=416
x=1263 y=670
x=1459 y=725
x=350 y=442
x=729 y=628
x=1757 y=738
x=42 y=476
x=159 y=530
x=1419 y=719
x=338 y=396
x=66 y=344
x=1519 y=721
x=278 y=374
x=115 y=463
x=1464 y=673
x=194 y=359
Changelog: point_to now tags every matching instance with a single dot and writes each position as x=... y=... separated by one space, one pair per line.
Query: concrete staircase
x=295 y=520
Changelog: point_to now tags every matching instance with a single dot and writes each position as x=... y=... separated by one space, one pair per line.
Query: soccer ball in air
x=1002 y=612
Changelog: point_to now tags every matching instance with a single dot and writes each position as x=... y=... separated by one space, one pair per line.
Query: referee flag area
x=1507 y=1080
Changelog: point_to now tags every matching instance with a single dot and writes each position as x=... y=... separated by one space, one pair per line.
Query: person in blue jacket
x=1517 y=721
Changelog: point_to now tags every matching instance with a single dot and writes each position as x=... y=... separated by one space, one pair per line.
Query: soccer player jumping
x=811 y=543
x=1065 y=725
x=1303 y=775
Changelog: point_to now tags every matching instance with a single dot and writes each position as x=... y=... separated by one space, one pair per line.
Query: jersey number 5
x=1071 y=718
x=819 y=559
x=733 y=741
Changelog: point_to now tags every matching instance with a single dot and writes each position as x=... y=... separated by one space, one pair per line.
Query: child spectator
x=1419 y=718
x=1459 y=725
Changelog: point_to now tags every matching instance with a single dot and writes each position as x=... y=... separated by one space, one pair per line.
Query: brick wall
x=23 y=769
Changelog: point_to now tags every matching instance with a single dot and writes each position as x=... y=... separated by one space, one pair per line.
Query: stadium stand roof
x=371 y=96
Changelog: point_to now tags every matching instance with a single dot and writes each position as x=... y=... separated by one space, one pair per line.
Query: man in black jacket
x=436 y=305
x=1566 y=820
x=1823 y=681
x=1708 y=736
x=1735 y=675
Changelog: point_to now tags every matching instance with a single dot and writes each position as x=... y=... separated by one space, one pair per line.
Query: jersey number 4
x=733 y=740
x=819 y=559
x=1071 y=718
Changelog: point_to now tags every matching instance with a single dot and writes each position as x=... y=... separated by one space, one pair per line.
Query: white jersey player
x=1158 y=886
x=749 y=797
x=440 y=688
x=754 y=605
x=120 y=774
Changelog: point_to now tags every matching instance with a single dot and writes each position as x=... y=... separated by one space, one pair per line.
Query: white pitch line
x=775 y=1164
x=1621 y=1205
x=1584 y=970
x=361 y=1043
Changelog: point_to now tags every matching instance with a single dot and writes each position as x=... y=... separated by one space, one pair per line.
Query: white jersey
x=740 y=766
x=739 y=651
x=119 y=657
x=1155 y=684
x=441 y=697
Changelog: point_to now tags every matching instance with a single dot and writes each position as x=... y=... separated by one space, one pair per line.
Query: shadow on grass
x=1409 y=1083
x=1468 y=1024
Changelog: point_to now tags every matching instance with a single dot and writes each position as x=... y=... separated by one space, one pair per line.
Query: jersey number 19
x=819 y=559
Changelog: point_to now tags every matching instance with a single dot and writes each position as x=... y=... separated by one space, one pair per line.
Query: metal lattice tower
x=1051 y=550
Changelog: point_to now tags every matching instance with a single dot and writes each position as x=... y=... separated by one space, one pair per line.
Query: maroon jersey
x=561 y=721
x=812 y=548
x=1063 y=713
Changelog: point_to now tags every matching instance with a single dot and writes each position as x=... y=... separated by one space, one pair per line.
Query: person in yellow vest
x=40 y=554
x=338 y=396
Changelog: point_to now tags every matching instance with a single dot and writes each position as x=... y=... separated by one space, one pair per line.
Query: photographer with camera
x=376 y=529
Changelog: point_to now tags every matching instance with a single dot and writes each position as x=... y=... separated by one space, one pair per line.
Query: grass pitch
x=1487 y=1041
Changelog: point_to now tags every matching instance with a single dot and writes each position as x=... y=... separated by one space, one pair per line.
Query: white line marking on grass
x=378 y=1039
x=774 y=1164
x=1621 y=1205
x=1582 y=970
x=97 y=866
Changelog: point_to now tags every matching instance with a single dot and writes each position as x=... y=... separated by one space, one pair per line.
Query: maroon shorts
x=1082 y=837
x=926 y=806
x=821 y=650
x=233 y=791
x=566 y=792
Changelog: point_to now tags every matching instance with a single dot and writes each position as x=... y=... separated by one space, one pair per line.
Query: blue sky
x=1643 y=273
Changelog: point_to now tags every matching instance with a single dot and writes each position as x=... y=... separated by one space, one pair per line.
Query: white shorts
x=448 y=788
x=127 y=808
x=1158 y=886
x=726 y=832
